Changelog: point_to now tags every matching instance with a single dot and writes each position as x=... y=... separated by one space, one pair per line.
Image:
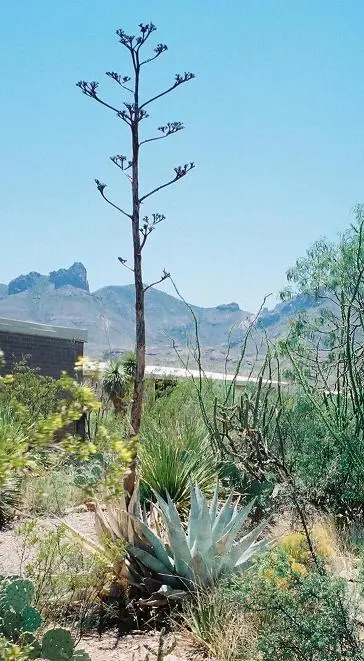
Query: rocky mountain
x=75 y=276
x=63 y=298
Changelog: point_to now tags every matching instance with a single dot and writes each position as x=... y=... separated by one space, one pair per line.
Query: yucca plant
x=173 y=455
x=115 y=384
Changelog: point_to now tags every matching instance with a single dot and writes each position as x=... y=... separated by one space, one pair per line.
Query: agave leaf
x=203 y=566
x=223 y=518
x=213 y=506
x=244 y=544
x=134 y=508
x=144 y=516
x=224 y=544
x=156 y=543
x=193 y=518
x=89 y=543
x=115 y=522
x=155 y=565
x=163 y=505
x=203 y=527
x=104 y=525
x=177 y=538
x=245 y=559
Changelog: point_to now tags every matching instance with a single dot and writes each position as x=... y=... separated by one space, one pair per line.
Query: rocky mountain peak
x=23 y=282
x=75 y=276
x=228 y=307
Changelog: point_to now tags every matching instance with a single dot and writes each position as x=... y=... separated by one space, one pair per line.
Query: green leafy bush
x=302 y=616
x=25 y=439
x=35 y=395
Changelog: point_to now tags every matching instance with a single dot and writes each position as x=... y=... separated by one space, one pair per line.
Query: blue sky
x=274 y=121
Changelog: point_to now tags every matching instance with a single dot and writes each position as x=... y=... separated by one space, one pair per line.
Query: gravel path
x=11 y=544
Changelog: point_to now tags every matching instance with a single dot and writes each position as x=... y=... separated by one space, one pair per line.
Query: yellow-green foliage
x=298 y=555
x=11 y=652
x=21 y=440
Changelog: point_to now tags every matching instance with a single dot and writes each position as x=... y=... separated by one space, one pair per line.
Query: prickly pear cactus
x=16 y=613
x=19 y=621
x=57 y=645
x=18 y=594
x=33 y=646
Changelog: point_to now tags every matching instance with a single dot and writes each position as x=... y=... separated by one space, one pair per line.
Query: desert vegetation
x=244 y=532
x=226 y=515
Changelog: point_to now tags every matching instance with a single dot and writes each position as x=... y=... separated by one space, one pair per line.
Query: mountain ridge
x=108 y=315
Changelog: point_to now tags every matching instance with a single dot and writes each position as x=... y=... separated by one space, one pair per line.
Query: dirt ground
x=11 y=546
x=133 y=648
x=109 y=647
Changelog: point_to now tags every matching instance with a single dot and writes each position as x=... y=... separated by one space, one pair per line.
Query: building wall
x=51 y=355
x=49 y=349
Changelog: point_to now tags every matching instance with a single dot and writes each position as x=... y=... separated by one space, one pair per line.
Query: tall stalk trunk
x=136 y=411
x=132 y=113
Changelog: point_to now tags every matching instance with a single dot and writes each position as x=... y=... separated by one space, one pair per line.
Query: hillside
x=63 y=298
x=108 y=314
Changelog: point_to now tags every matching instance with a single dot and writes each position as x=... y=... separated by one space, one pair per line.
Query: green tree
x=325 y=349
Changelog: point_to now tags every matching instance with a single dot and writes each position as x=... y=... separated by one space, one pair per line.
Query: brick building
x=51 y=349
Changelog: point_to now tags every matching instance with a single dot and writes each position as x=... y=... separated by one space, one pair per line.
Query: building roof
x=45 y=330
x=155 y=372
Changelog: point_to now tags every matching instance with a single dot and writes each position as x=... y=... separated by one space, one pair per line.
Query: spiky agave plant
x=212 y=546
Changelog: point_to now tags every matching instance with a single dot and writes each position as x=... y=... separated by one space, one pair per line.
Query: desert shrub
x=303 y=615
x=182 y=401
x=52 y=492
x=22 y=437
x=68 y=579
x=163 y=387
x=12 y=437
x=324 y=350
x=35 y=395
x=172 y=454
x=322 y=459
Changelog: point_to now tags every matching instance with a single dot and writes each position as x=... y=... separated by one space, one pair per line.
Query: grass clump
x=173 y=455
x=219 y=628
